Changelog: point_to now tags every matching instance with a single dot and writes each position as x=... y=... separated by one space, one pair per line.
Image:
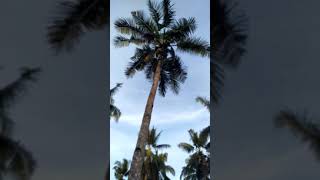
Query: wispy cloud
x=167 y=117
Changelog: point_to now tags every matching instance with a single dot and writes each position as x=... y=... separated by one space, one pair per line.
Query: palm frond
x=195 y=46
x=229 y=33
x=301 y=127
x=204 y=101
x=141 y=58
x=182 y=29
x=115 y=89
x=170 y=170
x=204 y=136
x=168 y=13
x=163 y=146
x=129 y=27
x=173 y=74
x=14 y=157
x=74 y=19
x=186 y=147
x=121 y=41
x=144 y=23
x=115 y=112
x=216 y=81
x=155 y=11
x=11 y=92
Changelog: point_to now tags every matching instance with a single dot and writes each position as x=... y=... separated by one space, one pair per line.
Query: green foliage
x=121 y=169
x=198 y=163
x=114 y=111
x=157 y=38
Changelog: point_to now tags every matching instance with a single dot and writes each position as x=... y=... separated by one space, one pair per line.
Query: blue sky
x=174 y=115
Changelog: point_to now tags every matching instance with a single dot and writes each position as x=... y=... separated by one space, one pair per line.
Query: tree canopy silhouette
x=14 y=157
x=75 y=18
x=229 y=34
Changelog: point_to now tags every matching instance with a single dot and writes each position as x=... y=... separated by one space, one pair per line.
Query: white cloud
x=168 y=117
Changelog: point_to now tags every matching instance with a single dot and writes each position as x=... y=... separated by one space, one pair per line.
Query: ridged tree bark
x=139 y=153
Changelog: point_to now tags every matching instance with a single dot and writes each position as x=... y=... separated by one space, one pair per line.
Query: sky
x=174 y=115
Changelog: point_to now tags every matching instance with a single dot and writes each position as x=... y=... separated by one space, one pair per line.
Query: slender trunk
x=107 y=176
x=139 y=152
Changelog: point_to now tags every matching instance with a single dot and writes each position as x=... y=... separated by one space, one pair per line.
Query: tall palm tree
x=13 y=155
x=301 y=126
x=198 y=163
x=228 y=37
x=154 y=166
x=158 y=38
x=114 y=111
x=121 y=169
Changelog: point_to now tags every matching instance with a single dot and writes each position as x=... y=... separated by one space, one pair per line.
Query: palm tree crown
x=198 y=163
x=155 y=166
x=121 y=169
x=158 y=38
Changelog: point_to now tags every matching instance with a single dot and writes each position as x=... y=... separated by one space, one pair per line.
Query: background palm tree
x=121 y=169
x=204 y=101
x=13 y=155
x=229 y=37
x=198 y=163
x=158 y=38
x=114 y=111
x=302 y=127
x=154 y=166
x=75 y=18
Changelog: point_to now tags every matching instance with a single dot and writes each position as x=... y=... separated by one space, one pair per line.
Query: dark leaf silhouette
x=229 y=38
x=114 y=111
x=15 y=158
x=301 y=126
x=74 y=19
x=10 y=94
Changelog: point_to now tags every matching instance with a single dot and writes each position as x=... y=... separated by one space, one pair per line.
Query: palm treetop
x=153 y=139
x=199 y=141
x=157 y=38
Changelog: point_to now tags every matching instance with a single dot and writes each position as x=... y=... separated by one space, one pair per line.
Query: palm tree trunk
x=139 y=152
